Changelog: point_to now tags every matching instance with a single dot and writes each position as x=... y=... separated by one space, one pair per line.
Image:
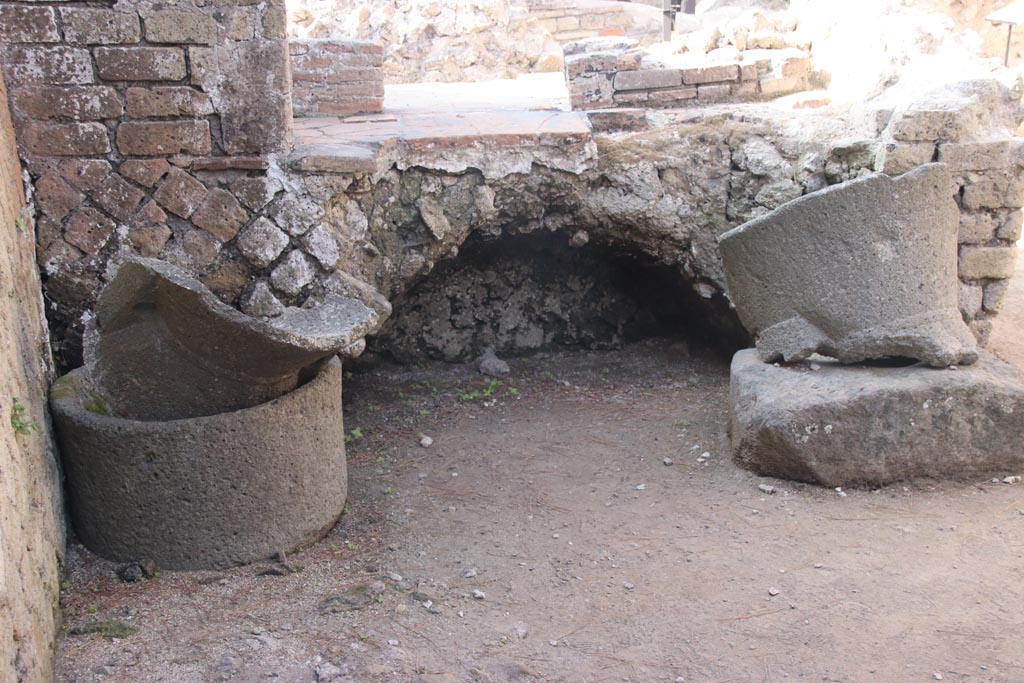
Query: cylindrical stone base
x=204 y=492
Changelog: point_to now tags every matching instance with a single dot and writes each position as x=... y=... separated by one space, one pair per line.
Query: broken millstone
x=163 y=346
x=864 y=269
x=849 y=425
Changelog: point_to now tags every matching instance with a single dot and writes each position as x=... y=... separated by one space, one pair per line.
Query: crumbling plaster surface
x=31 y=521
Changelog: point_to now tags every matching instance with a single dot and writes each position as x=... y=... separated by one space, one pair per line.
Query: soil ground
x=596 y=561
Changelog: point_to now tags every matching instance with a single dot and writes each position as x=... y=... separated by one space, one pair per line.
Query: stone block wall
x=31 y=520
x=147 y=129
x=604 y=73
x=569 y=20
x=336 y=77
x=967 y=128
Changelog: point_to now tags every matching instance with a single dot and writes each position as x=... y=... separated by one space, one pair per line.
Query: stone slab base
x=860 y=425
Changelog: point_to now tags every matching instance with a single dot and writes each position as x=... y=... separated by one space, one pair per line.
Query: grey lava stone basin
x=204 y=492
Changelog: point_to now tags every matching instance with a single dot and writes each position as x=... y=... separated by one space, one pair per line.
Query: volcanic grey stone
x=203 y=492
x=163 y=346
x=849 y=425
x=864 y=269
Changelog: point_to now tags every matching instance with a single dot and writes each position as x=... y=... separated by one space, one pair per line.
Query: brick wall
x=147 y=129
x=609 y=72
x=336 y=77
x=31 y=521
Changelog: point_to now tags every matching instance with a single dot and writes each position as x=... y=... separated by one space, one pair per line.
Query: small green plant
x=380 y=598
x=354 y=435
x=349 y=545
x=547 y=374
x=93 y=609
x=694 y=380
x=388 y=491
x=96 y=405
x=19 y=223
x=424 y=411
x=512 y=391
x=485 y=392
x=334 y=547
x=19 y=421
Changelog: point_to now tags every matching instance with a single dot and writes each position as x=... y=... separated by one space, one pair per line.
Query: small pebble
x=426 y=442
x=815 y=367
x=1011 y=480
x=937 y=676
x=766 y=488
x=641 y=487
x=479 y=595
x=628 y=586
x=773 y=591
x=393 y=643
x=667 y=462
x=469 y=573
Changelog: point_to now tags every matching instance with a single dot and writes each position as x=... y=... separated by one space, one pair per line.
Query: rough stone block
x=748 y=72
x=149 y=240
x=871 y=426
x=714 y=92
x=167 y=101
x=592 y=91
x=180 y=26
x=578 y=65
x=976 y=156
x=969 y=300
x=202 y=250
x=1011 y=228
x=994 y=190
x=896 y=158
x=783 y=85
x=995 y=296
x=981 y=263
x=66 y=139
x=712 y=74
x=293 y=273
x=89 y=230
x=220 y=215
x=248 y=125
x=864 y=269
x=82 y=103
x=140 y=63
x=85 y=174
x=86 y=26
x=931 y=123
x=262 y=242
x=57 y=65
x=26 y=24
x=55 y=197
x=180 y=193
x=146 y=172
x=162 y=138
x=117 y=197
x=255 y=192
x=645 y=79
x=978 y=227
x=322 y=246
x=795 y=66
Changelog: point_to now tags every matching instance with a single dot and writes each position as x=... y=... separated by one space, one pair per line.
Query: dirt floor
x=590 y=499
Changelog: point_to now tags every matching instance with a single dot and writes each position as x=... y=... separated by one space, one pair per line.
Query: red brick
x=117 y=197
x=89 y=230
x=21 y=24
x=88 y=26
x=161 y=138
x=149 y=241
x=79 y=102
x=180 y=193
x=711 y=74
x=66 y=139
x=140 y=63
x=200 y=247
x=57 y=65
x=148 y=216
